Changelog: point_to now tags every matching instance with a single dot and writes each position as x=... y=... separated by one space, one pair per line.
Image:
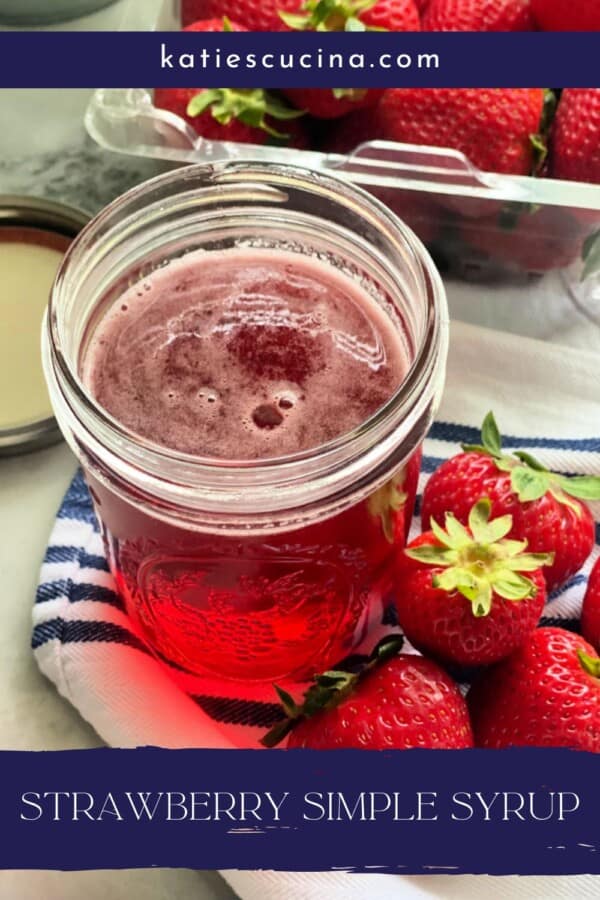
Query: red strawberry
x=575 y=138
x=567 y=15
x=492 y=127
x=254 y=15
x=246 y=116
x=397 y=702
x=590 y=614
x=575 y=156
x=355 y=15
x=323 y=103
x=478 y=15
x=460 y=594
x=243 y=116
x=547 y=694
x=347 y=15
x=545 y=507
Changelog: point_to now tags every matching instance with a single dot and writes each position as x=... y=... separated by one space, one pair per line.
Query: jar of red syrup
x=262 y=569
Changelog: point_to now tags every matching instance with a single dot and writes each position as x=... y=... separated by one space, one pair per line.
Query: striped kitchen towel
x=545 y=399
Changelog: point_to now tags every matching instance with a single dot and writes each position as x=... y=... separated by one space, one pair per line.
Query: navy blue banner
x=467 y=811
x=294 y=59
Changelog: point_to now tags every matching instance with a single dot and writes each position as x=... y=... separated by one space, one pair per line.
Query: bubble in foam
x=267 y=416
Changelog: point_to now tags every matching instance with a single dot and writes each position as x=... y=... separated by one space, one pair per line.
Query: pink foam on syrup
x=244 y=354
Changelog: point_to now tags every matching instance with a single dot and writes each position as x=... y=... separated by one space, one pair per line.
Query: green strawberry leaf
x=484 y=531
x=480 y=597
x=432 y=555
x=513 y=586
x=590 y=664
x=328 y=690
x=480 y=562
x=529 y=562
x=530 y=480
x=456 y=535
x=354 y=24
x=490 y=435
x=491 y=441
x=329 y=15
x=293 y=20
x=278 y=732
x=249 y=106
x=455 y=579
x=548 y=110
x=529 y=484
x=529 y=460
x=591 y=255
x=584 y=487
x=539 y=146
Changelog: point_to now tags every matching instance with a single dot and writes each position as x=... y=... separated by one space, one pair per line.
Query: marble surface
x=55 y=159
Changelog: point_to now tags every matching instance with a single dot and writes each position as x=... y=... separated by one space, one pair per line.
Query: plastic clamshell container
x=479 y=226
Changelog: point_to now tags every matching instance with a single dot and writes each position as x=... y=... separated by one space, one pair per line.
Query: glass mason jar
x=261 y=569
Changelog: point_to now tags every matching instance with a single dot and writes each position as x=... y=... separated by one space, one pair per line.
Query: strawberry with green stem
x=468 y=596
x=548 y=510
x=244 y=115
x=396 y=701
x=346 y=15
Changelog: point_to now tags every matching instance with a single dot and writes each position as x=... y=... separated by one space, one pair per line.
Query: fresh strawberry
x=347 y=15
x=567 y=15
x=397 y=702
x=323 y=103
x=546 y=508
x=547 y=694
x=492 y=127
x=571 y=135
x=575 y=138
x=355 y=15
x=254 y=15
x=590 y=614
x=478 y=15
x=461 y=595
x=245 y=116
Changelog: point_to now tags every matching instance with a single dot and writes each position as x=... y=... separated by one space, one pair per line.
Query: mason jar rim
x=223 y=479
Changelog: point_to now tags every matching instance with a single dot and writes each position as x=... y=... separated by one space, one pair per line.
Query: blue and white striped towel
x=545 y=399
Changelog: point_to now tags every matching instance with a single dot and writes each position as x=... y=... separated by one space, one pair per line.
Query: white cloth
x=545 y=397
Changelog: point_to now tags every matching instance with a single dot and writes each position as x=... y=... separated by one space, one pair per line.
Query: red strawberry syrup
x=250 y=355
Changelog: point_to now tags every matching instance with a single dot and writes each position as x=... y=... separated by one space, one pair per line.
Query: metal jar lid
x=57 y=219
